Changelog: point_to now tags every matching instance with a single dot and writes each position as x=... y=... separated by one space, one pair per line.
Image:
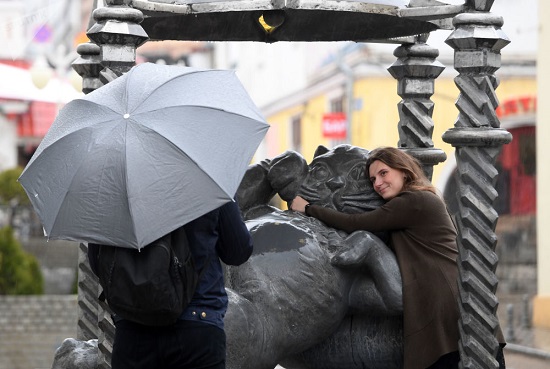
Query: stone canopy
x=280 y=20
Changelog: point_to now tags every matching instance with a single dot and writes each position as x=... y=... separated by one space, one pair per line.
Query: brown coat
x=424 y=240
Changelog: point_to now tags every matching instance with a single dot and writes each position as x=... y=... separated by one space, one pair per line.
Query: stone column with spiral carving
x=88 y=66
x=115 y=35
x=478 y=139
x=416 y=69
x=118 y=33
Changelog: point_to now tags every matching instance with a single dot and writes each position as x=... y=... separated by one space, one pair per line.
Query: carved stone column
x=477 y=41
x=88 y=66
x=416 y=70
x=118 y=33
x=93 y=317
x=115 y=35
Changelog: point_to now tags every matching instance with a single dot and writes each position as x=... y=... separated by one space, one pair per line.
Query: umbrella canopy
x=143 y=155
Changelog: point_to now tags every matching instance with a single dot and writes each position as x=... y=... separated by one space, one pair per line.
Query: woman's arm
x=398 y=213
x=299 y=204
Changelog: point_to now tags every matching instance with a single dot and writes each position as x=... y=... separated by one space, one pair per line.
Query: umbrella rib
x=85 y=99
x=201 y=106
x=130 y=212
x=194 y=161
x=151 y=93
x=47 y=137
x=97 y=191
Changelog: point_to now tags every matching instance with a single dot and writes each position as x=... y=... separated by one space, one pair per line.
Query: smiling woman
x=387 y=182
x=423 y=237
x=391 y=172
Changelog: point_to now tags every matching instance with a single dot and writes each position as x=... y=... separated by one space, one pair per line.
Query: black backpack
x=151 y=286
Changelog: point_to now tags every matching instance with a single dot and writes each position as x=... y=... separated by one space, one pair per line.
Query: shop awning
x=16 y=84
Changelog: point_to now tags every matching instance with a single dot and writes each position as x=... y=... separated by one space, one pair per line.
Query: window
x=337 y=106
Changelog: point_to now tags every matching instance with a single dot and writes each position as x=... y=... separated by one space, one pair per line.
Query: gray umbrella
x=143 y=155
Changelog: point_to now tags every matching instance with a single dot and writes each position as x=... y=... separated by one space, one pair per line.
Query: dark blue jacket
x=218 y=235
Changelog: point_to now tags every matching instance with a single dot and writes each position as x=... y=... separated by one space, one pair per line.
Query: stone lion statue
x=311 y=296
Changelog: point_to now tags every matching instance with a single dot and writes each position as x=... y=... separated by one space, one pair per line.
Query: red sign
x=37 y=121
x=334 y=125
x=517 y=106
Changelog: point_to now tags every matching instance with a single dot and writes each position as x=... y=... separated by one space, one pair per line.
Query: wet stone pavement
x=527 y=347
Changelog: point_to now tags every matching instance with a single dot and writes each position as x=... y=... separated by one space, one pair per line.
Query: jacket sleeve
x=234 y=245
x=399 y=213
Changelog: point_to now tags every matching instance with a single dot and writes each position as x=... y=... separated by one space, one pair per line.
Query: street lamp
x=42 y=73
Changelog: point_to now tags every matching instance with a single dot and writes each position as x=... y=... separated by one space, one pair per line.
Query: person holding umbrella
x=160 y=149
x=197 y=339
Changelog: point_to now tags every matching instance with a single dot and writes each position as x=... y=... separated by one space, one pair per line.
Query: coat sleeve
x=234 y=244
x=399 y=213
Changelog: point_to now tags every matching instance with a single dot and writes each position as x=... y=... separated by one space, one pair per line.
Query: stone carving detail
x=88 y=66
x=94 y=317
x=477 y=41
x=118 y=34
x=416 y=69
x=75 y=354
x=87 y=298
x=481 y=5
x=105 y=337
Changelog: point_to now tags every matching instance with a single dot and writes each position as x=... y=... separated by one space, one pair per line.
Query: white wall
x=543 y=169
x=8 y=148
x=272 y=71
x=12 y=29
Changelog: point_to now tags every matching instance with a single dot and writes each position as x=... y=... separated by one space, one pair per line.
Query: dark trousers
x=184 y=345
x=451 y=360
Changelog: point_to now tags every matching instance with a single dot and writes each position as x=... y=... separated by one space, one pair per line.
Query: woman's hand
x=298 y=204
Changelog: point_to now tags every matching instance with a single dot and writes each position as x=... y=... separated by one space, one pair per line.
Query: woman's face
x=387 y=181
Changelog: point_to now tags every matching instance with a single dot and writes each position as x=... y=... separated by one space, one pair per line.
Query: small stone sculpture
x=75 y=354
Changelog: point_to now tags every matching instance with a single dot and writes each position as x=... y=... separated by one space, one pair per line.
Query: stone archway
x=123 y=25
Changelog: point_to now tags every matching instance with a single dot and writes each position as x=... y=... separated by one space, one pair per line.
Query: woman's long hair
x=415 y=179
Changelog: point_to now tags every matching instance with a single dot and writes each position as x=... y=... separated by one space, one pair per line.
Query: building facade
x=541 y=308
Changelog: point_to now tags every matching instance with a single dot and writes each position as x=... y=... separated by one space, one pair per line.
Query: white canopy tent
x=16 y=84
